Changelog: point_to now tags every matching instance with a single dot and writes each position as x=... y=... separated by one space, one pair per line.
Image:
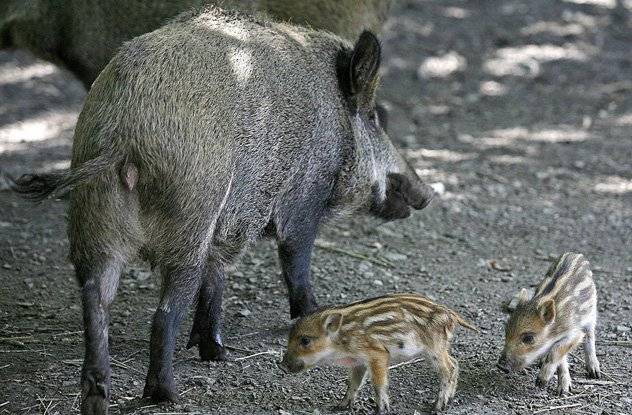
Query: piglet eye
x=305 y=341
x=527 y=338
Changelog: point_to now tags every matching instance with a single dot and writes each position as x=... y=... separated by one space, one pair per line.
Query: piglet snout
x=502 y=364
x=290 y=365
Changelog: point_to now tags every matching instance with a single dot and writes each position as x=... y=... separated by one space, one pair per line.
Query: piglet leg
x=590 y=355
x=448 y=369
x=563 y=377
x=379 y=376
x=357 y=376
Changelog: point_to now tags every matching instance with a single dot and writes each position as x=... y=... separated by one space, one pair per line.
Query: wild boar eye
x=305 y=341
x=527 y=338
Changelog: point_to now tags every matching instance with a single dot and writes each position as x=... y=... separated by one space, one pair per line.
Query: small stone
x=438 y=187
x=394 y=256
x=244 y=312
x=7 y=266
x=623 y=329
x=378 y=283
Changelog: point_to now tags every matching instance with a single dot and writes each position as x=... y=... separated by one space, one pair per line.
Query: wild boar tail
x=463 y=323
x=38 y=187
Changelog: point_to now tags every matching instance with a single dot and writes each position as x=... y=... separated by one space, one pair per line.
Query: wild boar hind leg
x=206 y=330
x=98 y=286
x=179 y=288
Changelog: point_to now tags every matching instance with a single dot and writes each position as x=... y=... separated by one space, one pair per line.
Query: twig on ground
x=243 y=335
x=623 y=343
x=409 y=362
x=595 y=382
x=237 y=349
x=257 y=354
x=124 y=366
x=357 y=255
x=553 y=408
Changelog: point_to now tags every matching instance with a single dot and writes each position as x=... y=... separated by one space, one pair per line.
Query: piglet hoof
x=594 y=373
x=161 y=393
x=563 y=388
x=95 y=395
x=342 y=407
x=541 y=383
x=440 y=406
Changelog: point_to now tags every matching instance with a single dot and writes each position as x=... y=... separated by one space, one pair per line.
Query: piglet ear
x=333 y=323
x=522 y=296
x=547 y=311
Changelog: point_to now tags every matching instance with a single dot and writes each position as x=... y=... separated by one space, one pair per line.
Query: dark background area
x=519 y=113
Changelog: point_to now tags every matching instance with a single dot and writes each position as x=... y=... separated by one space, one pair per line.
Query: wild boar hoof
x=209 y=349
x=95 y=394
x=161 y=393
x=94 y=405
x=212 y=351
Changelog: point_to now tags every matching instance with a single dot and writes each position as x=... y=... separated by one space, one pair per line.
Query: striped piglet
x=561 y=314
x=370 y=335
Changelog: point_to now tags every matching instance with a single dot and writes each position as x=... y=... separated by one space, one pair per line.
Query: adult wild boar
x=83 y=35
x=201 y=137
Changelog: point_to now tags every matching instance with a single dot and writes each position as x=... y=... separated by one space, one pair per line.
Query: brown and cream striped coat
x=370 y=335
x=561 y=314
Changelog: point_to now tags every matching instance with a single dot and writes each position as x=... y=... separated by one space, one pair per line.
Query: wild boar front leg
x=179 y=288
x=295 y=251
x=98 y=286
x=448 y=369
x=379 y=376
x=590 y=354
x=206 y=330
x=357 y=376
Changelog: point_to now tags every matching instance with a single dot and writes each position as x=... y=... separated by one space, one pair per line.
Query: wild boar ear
x=333 y=323
x=365 y=63
x=547 y=311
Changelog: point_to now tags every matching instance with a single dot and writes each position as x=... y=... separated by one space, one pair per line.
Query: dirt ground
x=519 y=112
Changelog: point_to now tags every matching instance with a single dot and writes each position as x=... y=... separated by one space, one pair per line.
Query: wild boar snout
x=419 y=197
